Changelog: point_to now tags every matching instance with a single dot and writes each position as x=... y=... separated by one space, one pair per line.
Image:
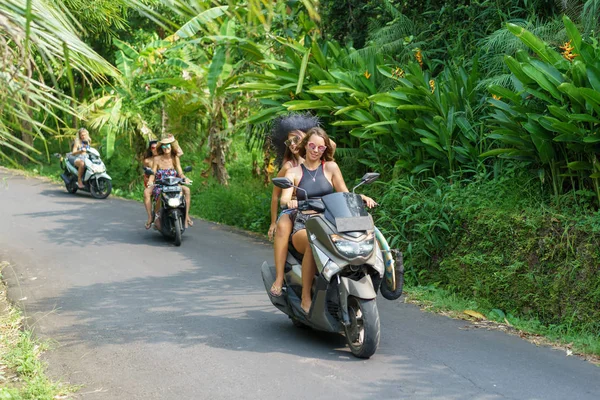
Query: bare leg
x=80 y=168
x=300 y=241
x=148 y=205
x=188 y=201
x=280 y=248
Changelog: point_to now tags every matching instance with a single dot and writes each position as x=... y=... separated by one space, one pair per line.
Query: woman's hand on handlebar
x=292 y=204
x=368 y=201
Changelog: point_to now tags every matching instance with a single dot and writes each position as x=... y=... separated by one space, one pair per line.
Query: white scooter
x=95 y=179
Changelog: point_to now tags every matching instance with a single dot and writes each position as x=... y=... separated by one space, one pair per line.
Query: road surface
x=133 y=317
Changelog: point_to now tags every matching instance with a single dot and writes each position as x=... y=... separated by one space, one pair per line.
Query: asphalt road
x=133 y=317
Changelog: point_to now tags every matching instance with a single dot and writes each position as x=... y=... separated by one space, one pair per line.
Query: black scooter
x=172 y=211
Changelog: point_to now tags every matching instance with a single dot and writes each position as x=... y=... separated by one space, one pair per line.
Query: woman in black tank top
x=319 y=175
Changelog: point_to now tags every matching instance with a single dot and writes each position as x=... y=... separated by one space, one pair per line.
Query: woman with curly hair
x=287 y=132
x=319 y=175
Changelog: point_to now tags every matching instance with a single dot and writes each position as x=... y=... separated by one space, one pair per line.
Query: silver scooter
x=350 y=269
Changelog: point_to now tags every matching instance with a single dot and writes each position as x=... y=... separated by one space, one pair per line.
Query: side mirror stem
x=359 y=184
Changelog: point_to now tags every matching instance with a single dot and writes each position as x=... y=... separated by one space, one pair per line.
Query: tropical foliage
x=553 y=118
x=450 y=100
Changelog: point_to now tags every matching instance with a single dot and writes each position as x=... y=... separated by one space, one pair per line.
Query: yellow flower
x=367 y=74
x=398 y=73
x=432 y=85
x=567 y=51
x=419 y=56
x=496 y=97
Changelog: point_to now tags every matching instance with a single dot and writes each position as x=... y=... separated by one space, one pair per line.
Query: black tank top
x=314 y=182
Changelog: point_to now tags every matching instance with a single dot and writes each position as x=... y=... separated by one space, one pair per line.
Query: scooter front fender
x=102 y=175
x=363 y=289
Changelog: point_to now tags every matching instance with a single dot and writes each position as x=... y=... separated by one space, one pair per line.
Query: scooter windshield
x=347 y=211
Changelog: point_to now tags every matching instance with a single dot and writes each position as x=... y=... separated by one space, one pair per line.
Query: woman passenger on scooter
x=286 y=134
x=319 y=175
x=151 y=152
x=166 y=164
x=77 y=156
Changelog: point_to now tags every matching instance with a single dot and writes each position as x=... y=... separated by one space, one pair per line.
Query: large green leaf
x=537 y=45
x=201 y=21
x=216 y=67
x=302 y=72
x=542 y=140
x=535 y=74
x=593 y=74
x=517 y=70
x=579 y=166
x=573 y=33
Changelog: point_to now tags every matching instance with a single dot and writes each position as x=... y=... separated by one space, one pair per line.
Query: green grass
x=23 y=376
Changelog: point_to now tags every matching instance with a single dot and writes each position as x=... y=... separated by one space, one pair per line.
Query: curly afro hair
x=285 y=124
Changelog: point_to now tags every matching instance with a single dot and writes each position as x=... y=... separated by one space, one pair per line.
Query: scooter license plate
x=169 y=189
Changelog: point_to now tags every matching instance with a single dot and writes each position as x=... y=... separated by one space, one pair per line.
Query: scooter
x=172 y=211
x=350 y=270
x=95 y=179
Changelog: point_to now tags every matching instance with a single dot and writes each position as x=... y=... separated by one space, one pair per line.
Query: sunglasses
x=314 y=147
x=166 y=146
x=153 y=147
x=292 y=141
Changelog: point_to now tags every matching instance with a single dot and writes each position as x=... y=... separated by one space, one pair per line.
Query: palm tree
x=40 y=50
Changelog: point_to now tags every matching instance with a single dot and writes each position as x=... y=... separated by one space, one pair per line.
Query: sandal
x=275 y=291
x=148 y=225
x=190 y=222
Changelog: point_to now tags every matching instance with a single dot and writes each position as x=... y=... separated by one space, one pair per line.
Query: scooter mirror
x=283 y=183
x=370 y=177
x=187 y=169
x=148 y=171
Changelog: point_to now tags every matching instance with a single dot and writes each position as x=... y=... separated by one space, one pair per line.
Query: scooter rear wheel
x=363 y=333
x=72 y=188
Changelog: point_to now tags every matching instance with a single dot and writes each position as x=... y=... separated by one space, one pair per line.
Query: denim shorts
x=289 y=212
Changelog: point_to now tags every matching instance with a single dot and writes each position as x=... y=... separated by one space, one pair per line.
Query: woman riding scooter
x=319 y=175
x=165 y=164
x=77 y=156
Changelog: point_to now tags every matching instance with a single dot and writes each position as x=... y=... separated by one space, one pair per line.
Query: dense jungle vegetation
x=482 y=117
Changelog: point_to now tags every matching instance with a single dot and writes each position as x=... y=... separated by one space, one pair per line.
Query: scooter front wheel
x=177 y=227
x=362 y=335
x=100 y=188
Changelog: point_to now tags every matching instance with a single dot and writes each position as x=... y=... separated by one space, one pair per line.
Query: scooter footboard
x=363 y=289
x=268 y=276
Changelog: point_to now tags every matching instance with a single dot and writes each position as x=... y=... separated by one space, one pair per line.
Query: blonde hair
x=78 y=139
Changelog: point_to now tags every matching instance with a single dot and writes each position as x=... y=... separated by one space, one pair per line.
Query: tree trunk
x=218 y=143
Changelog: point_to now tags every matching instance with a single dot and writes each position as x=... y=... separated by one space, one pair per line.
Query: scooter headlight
x=353 y=249
x=330 y=270
x=174 y=202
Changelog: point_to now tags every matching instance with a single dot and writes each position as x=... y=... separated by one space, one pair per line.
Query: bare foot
x=306 y=307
